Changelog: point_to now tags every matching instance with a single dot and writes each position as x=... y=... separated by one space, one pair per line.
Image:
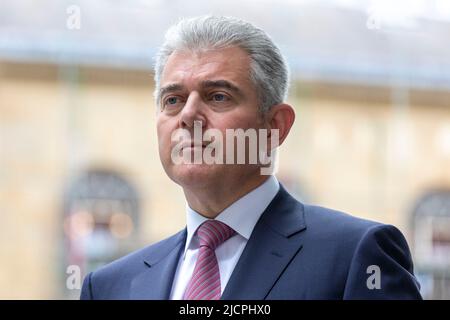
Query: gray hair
x=268 y=68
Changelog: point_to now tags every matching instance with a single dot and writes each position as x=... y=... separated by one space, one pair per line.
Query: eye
x=171 y=100
x=219 y=97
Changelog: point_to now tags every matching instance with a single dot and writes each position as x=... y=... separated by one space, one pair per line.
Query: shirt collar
x=241 y=215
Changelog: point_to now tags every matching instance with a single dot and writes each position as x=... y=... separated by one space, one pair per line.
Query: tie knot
x=213 y=233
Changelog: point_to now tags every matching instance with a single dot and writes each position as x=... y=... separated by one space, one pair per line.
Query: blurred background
x=80 y=179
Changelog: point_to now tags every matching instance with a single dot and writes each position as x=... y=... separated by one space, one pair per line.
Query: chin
x=194 y=174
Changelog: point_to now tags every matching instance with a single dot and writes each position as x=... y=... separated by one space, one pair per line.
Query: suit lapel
x=155 y=282
x=274 y=242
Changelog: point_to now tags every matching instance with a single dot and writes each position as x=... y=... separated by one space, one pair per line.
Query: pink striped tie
x=205 y=281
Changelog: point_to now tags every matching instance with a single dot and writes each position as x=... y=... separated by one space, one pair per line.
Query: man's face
x=213 y=87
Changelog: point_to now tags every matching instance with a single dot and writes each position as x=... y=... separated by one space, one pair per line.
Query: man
x=246 y=237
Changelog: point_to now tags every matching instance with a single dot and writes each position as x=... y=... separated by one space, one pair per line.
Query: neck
x=210 y=201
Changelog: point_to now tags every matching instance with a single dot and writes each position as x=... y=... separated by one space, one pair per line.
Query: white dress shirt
x=242 y=216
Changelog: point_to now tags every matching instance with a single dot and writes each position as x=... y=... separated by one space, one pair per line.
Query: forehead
x=188 y=67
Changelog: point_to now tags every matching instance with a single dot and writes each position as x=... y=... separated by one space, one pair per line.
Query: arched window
x=431 y=223
x=101 y=219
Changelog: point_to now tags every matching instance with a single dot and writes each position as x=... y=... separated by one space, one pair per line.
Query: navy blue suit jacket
x=296 y=251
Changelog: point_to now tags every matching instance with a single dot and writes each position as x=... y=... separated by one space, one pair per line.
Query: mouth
x=193 y=144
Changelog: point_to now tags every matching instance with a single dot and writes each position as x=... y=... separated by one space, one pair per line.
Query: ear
x=281 y=117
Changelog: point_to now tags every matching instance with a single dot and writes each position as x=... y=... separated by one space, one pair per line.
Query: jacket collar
x=155 y=282
x=275 y=241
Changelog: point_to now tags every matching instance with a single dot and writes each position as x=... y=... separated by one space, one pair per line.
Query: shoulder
x=123 y=270
x=329 y=220
x=128 y=262
x=316 y=220
x=349 y=230
x=357 y=247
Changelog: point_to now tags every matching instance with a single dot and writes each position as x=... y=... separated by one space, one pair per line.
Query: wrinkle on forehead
x=187 y=65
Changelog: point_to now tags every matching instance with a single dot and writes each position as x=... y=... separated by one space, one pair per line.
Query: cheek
x=164 y=135
x=240 y=123
x=242 y=119
x=159 y=133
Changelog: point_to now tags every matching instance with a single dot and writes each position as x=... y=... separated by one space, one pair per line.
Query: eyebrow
x=170 y=88
x=220 y=84
x=206 y=84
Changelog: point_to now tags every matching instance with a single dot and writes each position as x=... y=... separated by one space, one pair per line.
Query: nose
x=192 y=111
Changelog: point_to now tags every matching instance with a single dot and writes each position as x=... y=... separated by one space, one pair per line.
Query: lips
x=193 y=144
